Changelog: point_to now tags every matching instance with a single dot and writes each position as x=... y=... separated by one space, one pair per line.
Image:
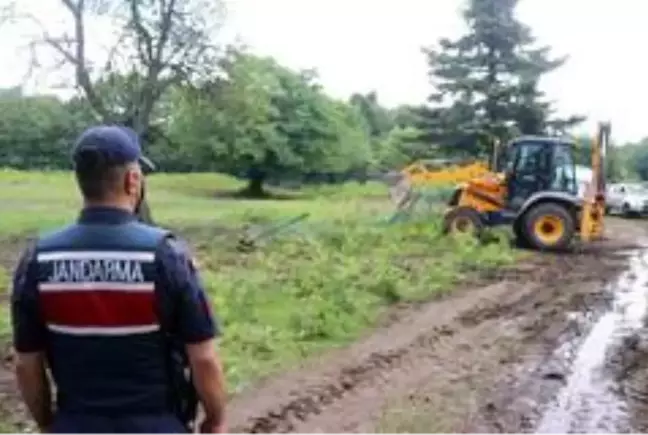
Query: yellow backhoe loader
x=533 y=187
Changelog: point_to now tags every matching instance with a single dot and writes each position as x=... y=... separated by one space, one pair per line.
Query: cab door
x=563 y=173
x=528 y=171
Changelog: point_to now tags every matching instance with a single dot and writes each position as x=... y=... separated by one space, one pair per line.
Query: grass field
x=317 y=286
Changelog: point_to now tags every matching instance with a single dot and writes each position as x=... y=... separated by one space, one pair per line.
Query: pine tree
x=487 y=83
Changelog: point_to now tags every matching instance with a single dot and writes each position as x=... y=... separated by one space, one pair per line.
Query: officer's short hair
x=96 y=176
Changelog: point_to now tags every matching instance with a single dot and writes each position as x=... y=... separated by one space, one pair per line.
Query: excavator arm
x=422 y=174
x=599 y=157
x=593 y=211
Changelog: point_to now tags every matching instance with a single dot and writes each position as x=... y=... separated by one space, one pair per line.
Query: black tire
x=625 y=211
x=463 y=220
x=557 y=239
x=520 y=238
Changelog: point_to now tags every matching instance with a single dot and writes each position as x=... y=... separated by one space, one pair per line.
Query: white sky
x=363 y=45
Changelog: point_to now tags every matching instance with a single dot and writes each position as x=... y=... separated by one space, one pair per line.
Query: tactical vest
x=97 y=295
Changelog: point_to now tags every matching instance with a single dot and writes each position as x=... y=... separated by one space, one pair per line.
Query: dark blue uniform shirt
x=86 y=365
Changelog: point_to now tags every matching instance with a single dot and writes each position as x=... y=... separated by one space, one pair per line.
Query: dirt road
x=554 y=344
x=501 y=357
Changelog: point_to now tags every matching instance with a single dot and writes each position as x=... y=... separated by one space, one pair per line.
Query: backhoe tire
x=548 y=227
x=463 y=220
x=520 y=239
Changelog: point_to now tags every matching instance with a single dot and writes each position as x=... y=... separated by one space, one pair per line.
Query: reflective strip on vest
x=147 y=257
x=99 y=293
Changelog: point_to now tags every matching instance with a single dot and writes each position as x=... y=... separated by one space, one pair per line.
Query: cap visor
x=147 y=165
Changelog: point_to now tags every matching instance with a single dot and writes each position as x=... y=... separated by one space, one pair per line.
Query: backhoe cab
x=534 y=189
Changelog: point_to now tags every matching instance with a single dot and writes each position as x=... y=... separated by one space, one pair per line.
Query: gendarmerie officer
x=115 y=309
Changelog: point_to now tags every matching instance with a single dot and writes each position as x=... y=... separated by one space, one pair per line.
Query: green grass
x=307 y=294
x=318 y=286
x=34 y=201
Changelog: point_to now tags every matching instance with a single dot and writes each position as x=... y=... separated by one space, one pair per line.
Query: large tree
x=486 y=82
x=261 y=119
x=157 y=44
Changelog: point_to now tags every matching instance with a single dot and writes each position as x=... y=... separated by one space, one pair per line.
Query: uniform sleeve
x=193 y=318
x=28 y=328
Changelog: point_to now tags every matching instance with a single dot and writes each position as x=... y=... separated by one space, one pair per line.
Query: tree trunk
x=255 y=187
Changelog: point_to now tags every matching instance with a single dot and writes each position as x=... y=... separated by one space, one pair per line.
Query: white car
x=627 y=199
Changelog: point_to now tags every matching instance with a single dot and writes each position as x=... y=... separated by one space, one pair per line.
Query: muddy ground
x=481 y=360
x=499 y=355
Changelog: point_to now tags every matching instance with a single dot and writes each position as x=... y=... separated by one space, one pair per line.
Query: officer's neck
x=114 y=204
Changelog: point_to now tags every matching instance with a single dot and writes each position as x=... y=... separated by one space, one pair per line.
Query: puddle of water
x=587 y=402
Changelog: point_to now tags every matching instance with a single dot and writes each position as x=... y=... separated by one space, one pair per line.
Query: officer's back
x=105 y=302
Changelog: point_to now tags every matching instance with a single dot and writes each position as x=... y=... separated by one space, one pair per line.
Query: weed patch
x=317 y=290
x=317 y=285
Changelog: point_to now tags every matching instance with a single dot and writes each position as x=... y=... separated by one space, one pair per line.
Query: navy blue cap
x=115 y=144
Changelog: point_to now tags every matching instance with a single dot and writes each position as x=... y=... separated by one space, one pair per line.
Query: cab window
x=564 y=176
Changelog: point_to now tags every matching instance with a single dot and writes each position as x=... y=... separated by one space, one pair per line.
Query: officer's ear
x=133 y=179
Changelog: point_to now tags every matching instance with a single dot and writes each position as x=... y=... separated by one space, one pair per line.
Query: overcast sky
x=363 y=45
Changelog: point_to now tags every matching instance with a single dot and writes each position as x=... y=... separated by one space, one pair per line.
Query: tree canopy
x=487 y=83
x=200 y=105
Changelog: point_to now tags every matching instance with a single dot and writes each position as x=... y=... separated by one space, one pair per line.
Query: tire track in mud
x=468 y=346
x=556 y=387
x=312 y=400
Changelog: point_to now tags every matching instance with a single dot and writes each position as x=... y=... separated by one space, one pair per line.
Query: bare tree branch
x=7 y=12
x=144 y=40
x=159 y=43
x=79 y=59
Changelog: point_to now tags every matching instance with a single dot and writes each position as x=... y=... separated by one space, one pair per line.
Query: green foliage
x=620 y=163
x=377 y=119
x=321 y=290
x=266 y=119
x=33 y=131
x=5 y=280
x=487 y=83
x=631 y=160
x=317 y=286
x=181 y=200
x=401 y=146
x=254 y=118
x=394 y=139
